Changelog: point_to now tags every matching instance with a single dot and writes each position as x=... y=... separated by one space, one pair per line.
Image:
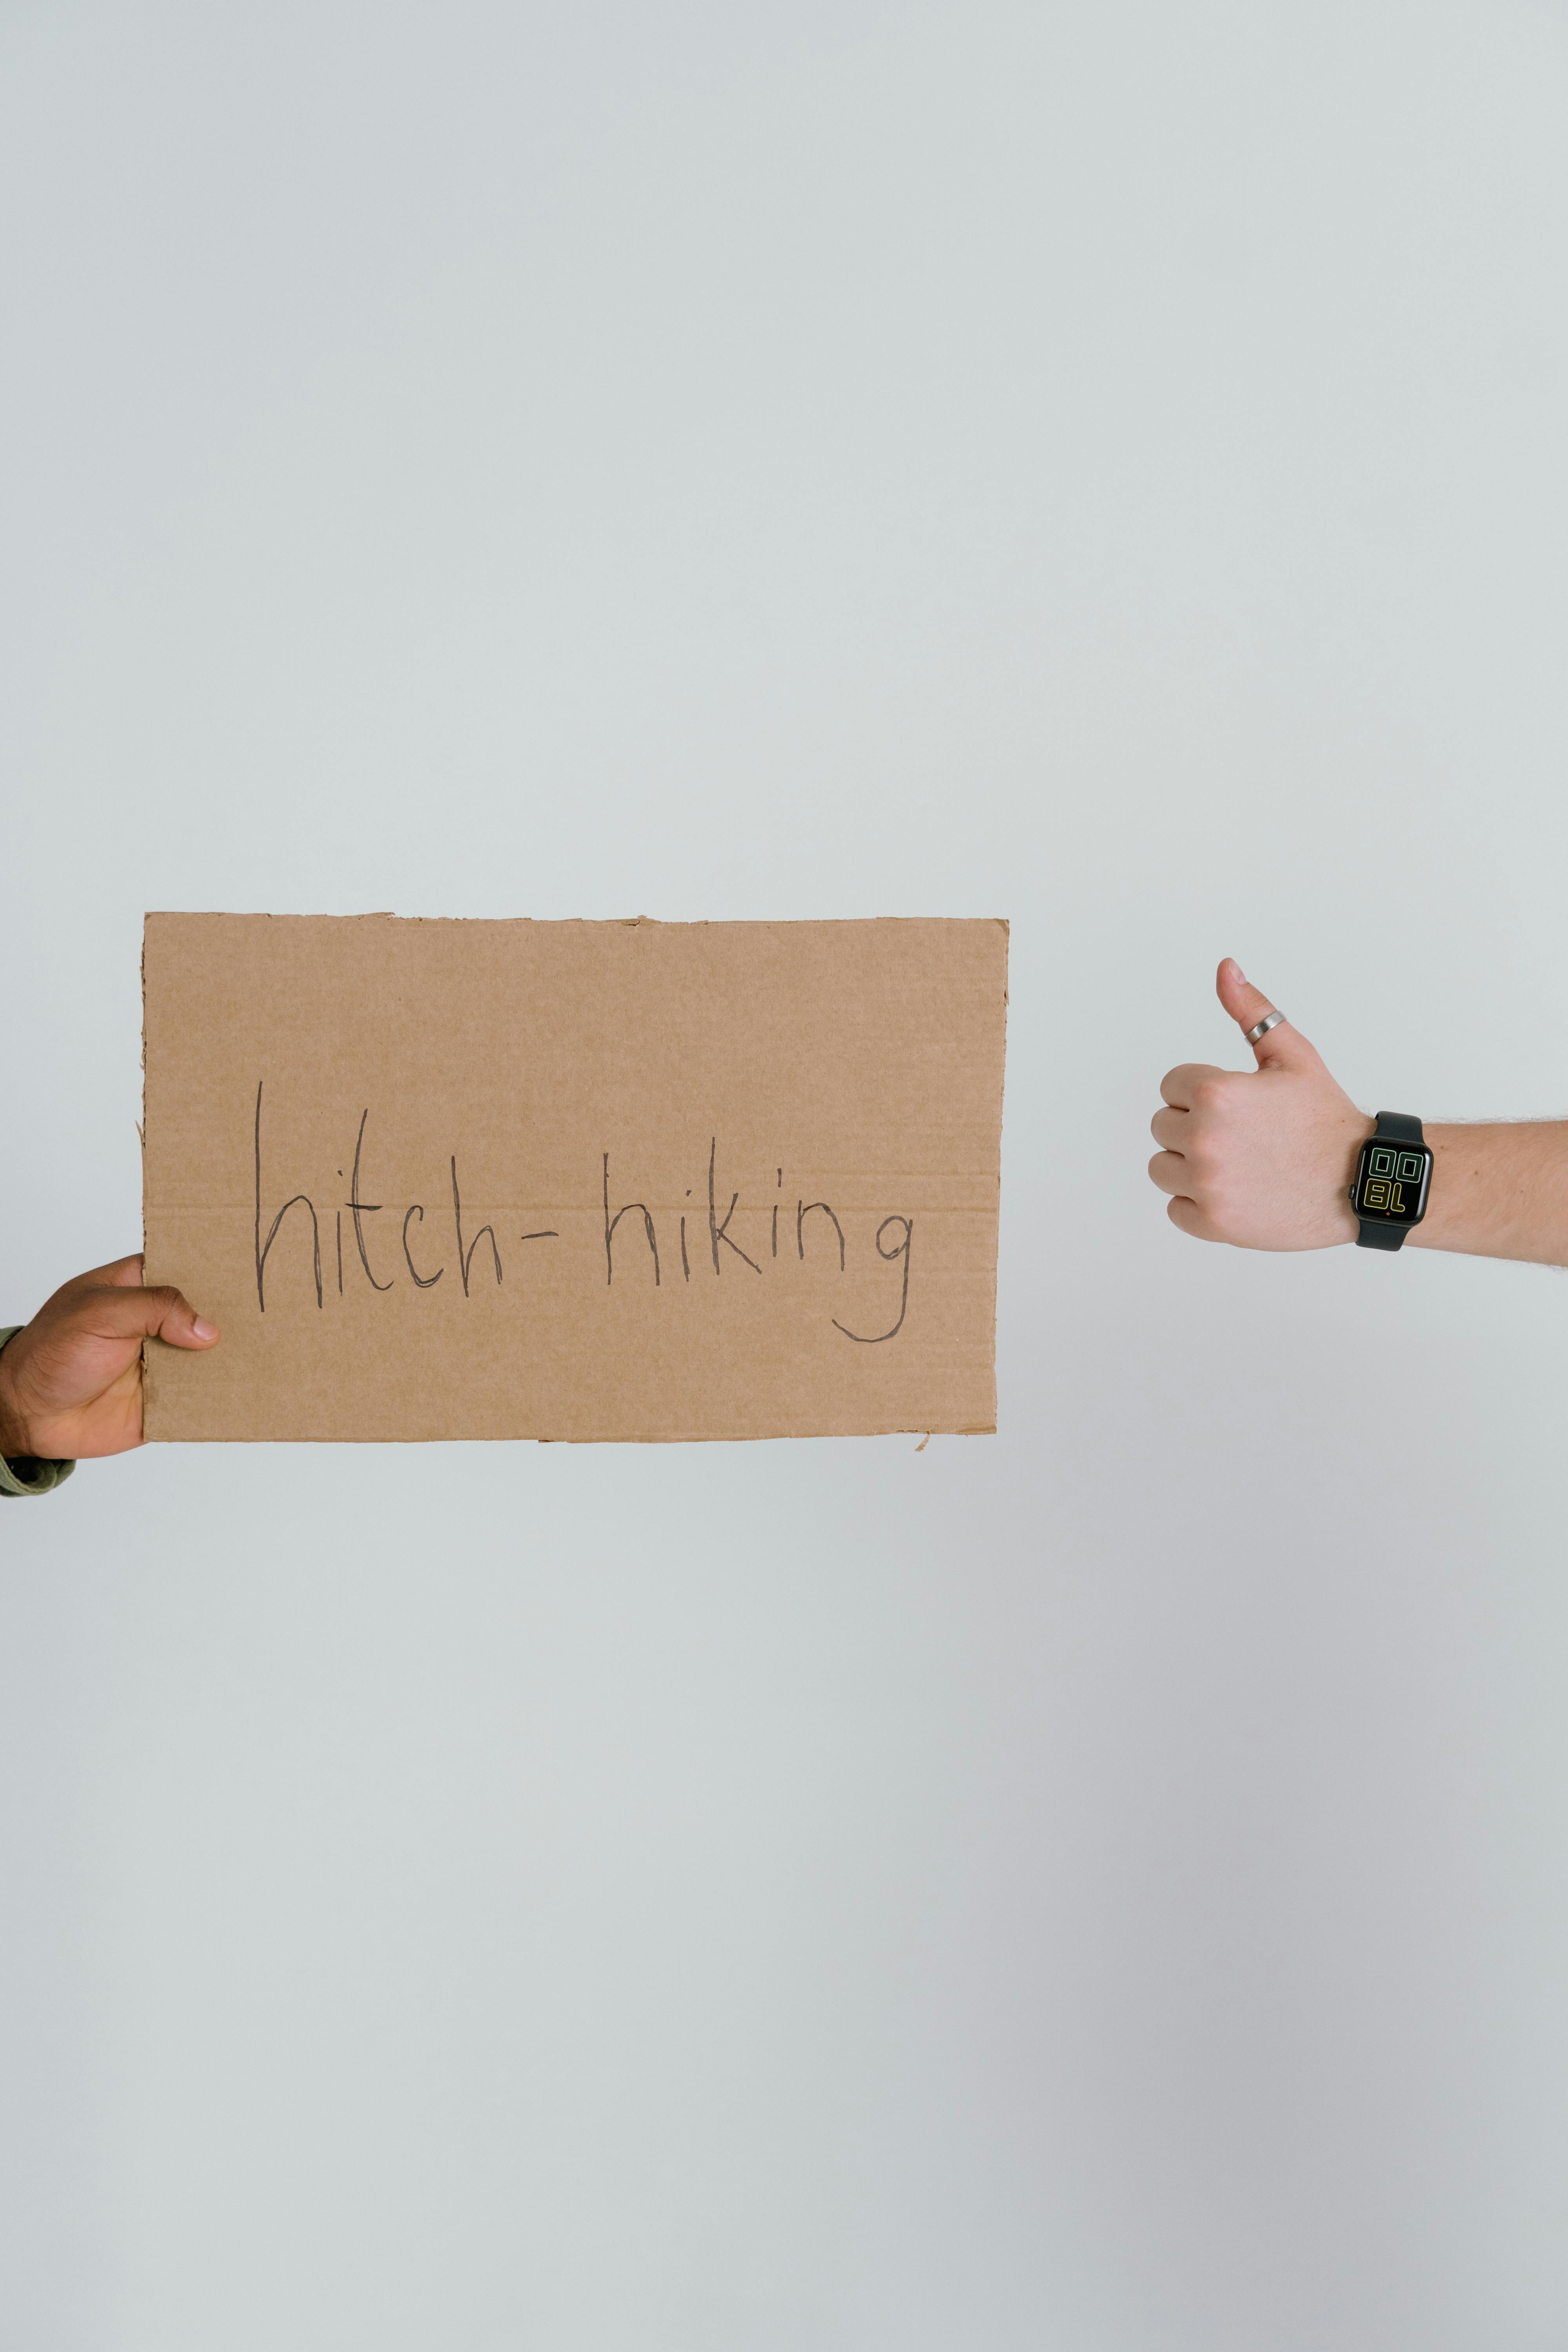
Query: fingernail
x=203 y=1330
x=1236 y=968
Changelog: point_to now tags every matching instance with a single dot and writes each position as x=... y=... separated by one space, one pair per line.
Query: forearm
x=1498 y=1191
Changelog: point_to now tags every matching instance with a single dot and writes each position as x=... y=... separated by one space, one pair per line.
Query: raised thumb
x=1283 y=1048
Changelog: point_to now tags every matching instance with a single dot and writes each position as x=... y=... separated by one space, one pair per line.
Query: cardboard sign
x=648 y=1180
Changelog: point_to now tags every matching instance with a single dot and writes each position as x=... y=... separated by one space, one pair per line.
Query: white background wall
x=1100 y=1889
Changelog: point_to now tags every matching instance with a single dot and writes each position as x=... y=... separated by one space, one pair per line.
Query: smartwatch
x=1392 y=1177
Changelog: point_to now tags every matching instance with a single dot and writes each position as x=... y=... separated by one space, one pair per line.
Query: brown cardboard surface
x=574 y=1179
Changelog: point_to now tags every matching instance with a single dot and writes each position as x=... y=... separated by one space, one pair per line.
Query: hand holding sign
x=70 y=1380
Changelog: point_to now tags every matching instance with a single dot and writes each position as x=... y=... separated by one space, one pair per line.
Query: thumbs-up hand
x=1262 y=1159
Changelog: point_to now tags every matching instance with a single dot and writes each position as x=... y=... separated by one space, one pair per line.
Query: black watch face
x=1391 y=1183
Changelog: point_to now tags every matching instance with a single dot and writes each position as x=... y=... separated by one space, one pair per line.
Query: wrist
x=1445 y=1198
x=15 y=1445
x=1358 y=1128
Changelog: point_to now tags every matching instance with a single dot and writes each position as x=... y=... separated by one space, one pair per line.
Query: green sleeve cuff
x=26 y=1475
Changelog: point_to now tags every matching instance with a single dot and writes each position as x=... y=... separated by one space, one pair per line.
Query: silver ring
x=1269 y=1020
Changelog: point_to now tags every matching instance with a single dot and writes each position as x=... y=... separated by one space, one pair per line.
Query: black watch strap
x=1398 y=1127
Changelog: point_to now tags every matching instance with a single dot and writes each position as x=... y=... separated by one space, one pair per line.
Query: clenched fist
x=1262 y=1159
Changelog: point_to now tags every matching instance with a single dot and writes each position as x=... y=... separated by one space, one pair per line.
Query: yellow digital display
x=1391 y=1182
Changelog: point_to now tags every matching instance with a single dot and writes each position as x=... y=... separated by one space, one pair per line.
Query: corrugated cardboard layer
x=578 y=1181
